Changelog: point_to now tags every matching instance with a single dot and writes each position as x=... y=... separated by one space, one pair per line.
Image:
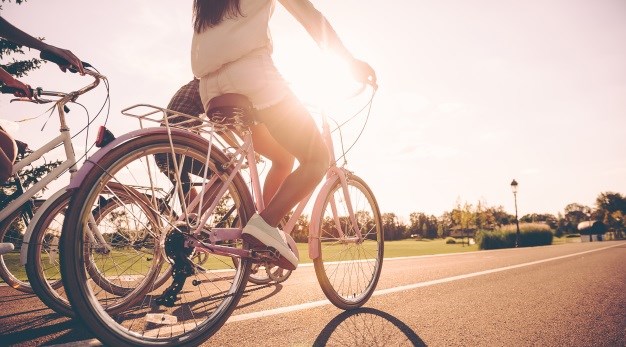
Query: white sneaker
x=258 y=233
x=6 y=247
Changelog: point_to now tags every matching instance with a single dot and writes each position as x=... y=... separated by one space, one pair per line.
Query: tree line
x=610 y=209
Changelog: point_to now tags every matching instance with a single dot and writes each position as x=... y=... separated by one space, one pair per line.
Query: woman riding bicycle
x=231 y=53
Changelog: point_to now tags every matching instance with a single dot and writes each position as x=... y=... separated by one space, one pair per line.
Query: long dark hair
x=209 y=13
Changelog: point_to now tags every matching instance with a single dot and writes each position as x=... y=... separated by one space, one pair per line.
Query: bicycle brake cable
x=368 y=105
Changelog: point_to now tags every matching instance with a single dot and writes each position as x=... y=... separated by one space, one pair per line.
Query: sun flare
x=327 y=79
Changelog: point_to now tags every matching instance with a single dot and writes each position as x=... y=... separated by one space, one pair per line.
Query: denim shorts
x=253 y=75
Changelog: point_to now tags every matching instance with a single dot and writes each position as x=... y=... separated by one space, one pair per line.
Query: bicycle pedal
x=267 y=254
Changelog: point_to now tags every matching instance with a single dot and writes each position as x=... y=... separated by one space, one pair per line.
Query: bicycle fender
x=80 y=175
x=34 y=221
x=314 y=227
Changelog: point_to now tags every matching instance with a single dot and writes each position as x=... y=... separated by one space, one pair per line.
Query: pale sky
x=472 y=93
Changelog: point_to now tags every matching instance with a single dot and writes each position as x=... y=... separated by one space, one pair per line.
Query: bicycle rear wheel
x=208 y=296
x=348 y=267
x=12 y=230
x=43 y=267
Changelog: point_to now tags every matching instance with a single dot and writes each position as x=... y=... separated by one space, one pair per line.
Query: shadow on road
x=277 y=288
x=26 y=321
x=42 y=327
x=367 y=327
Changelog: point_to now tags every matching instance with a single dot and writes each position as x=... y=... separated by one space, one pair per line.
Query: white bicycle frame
x=69 y=163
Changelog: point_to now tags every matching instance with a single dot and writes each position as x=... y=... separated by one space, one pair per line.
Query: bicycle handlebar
x=37 y=92
x=66 y=97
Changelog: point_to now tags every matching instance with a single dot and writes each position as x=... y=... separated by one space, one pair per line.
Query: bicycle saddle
x=231 y=109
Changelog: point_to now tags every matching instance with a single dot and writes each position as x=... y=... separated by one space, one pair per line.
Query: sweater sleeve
x=317 y=26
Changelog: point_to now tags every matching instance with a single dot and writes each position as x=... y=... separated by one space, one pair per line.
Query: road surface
x=564 y=295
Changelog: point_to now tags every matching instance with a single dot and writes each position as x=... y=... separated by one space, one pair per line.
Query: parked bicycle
x=35 y=234
x=345 y=234
x=20 y=205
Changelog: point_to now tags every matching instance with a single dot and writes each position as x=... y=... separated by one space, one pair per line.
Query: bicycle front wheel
x=160 y=170
x=351 y=244
x=12 y=230
x=42 y=266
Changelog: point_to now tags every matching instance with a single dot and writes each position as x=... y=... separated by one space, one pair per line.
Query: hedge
x=531 y=234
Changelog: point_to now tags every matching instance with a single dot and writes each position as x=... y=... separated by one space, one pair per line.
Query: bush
x=450 y=241
x=531 y=234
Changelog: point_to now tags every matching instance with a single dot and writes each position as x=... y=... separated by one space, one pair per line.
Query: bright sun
x=325 y=80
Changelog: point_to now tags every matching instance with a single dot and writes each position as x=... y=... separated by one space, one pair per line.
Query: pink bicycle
x=203 y=181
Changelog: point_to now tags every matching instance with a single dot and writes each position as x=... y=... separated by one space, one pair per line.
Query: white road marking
x=313 y=304
x=281 y=310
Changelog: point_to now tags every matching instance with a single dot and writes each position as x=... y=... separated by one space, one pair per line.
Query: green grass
x=12 y=262
x=411 y=247
x=393 y=249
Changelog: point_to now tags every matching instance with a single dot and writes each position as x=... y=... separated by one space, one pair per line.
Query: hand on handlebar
x=65 y=59
x=364 y=73
x=17 y=88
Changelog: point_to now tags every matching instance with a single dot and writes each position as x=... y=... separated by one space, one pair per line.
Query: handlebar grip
x=60 y=61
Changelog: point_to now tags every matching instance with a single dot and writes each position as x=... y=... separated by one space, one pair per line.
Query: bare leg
x=6 y=166
x=282 y=161
x=292 y=127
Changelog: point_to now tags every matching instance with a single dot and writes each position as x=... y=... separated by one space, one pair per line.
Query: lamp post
x=514 y=189
x=588 y=213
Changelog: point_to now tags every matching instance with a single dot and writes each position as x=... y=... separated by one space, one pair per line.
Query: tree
x=500 y=216
x=546 y=218
x=576 y=213
x=464 y=216
x=16 y=1
x=17 y=67
x=393 y=228
x=445 y=224
x=300 y=232
x=20 y=68
x=28 y=176
x=423 y=225
x=611 y=209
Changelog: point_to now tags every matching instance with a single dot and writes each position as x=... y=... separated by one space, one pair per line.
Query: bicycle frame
x=243 y=155
x=68 y=164
x=246 y=151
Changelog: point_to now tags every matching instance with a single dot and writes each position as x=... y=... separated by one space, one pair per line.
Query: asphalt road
x=565 y=295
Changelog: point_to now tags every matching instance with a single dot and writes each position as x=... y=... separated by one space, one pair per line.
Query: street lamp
x=514 y=189
x=587 y=211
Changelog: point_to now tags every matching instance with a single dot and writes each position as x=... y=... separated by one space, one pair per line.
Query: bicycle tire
x=12 y=230
x=197 y=315
x=123 y=201
x=45 y=279
x=43 y=268
x=348 y=271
